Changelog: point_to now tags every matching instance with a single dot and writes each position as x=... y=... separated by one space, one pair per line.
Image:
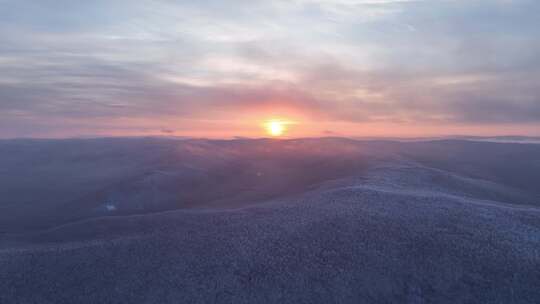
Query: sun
x=275 y=128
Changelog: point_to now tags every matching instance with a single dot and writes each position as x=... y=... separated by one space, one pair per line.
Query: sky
x=223 y=68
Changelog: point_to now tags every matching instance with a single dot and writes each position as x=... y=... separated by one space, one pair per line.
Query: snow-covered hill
x=264 y=221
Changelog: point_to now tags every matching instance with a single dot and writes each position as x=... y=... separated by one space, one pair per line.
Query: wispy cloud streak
x=65 y=64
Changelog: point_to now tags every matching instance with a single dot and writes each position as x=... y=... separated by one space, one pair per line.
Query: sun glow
x=276 y=128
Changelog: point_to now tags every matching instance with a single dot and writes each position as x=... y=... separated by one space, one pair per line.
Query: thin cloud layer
x=124 y=68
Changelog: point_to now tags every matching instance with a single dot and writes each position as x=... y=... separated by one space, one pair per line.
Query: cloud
x=451 y=62
x=167 y=131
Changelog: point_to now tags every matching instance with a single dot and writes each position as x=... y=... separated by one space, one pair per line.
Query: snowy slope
x=302 y=221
